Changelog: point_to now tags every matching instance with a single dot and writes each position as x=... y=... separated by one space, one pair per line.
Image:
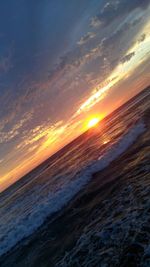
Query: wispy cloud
x=117 y=8
x=9 y=135
x=86 y=38
x=54 y=78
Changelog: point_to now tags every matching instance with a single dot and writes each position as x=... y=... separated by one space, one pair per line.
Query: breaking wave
x=25 y=225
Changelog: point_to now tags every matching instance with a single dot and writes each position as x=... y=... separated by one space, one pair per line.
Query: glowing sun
x=93 y=122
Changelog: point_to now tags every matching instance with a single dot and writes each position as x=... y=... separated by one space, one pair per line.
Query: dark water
x=25 y=207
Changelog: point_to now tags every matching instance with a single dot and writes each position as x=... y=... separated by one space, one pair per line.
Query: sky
x=62 y=62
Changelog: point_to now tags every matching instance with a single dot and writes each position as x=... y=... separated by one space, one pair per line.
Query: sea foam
x=22 y=227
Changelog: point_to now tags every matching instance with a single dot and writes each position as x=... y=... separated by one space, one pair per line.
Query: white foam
x=25 y=225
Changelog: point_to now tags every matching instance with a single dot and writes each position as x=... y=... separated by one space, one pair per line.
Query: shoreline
x=99 y=187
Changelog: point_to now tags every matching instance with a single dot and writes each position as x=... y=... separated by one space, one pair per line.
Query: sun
x=93 y=122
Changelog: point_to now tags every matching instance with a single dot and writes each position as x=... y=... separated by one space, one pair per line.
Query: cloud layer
x=59 y=60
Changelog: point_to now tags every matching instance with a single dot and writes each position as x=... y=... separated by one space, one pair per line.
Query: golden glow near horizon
x=93 y=122
x=122 y=71
x=45 y=140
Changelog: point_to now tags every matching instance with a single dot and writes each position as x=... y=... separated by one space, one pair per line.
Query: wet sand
x=106 y=224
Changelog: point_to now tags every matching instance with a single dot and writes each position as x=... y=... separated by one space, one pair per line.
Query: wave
x=24 y=226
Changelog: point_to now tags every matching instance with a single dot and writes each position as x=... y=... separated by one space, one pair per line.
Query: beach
x=106 y=224
x=75 y=133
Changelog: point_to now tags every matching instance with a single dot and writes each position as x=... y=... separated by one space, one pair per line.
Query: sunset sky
x=62 y=62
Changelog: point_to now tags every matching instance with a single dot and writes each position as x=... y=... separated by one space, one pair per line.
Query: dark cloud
x=115 y=9
x=52 y=68
x=127 y=57
x=98 y=48
x=142 y=38
x=137 y=21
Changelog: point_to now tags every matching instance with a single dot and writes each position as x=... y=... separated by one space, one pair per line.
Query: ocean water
x=25 y=206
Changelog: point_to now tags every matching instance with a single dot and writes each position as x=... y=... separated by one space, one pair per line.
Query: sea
x=45 y=193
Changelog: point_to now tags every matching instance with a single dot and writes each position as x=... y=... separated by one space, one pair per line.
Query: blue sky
x=61 y=61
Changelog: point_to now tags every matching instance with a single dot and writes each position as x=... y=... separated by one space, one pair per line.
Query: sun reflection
x=106 y=142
